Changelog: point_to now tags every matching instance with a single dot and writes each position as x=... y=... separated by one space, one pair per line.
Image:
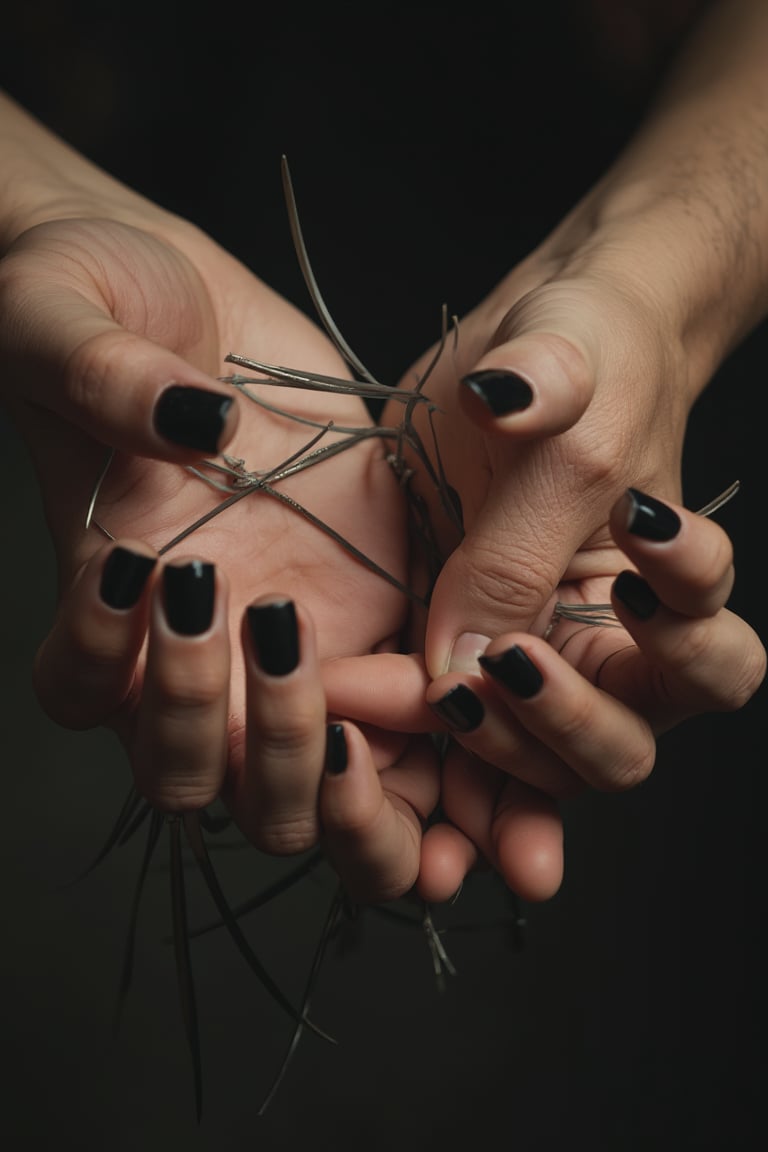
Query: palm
x=203 y=305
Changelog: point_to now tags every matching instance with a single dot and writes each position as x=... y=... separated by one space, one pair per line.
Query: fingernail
x=466 y=650
x=649 y=518
x=189 y=592
x=335 y=750
x=502 y=392
x=123 y=577
x=635 y=594
x=192 y=417
x=515 y=670
x=275 y=636
x=460 y=709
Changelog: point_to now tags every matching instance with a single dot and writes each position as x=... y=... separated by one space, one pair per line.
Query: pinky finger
x=372 y=839
x=84 y=669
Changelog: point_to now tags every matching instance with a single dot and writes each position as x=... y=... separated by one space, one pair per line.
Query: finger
x=528 y=841
x=538 y=383
x=679 y=667
x=516 y=829
x=447 y=858
x=687 y=558
x=372 y=833
x=473 y=712
x=121 y=389
x=386 y=689
x=179 y=754
x=610 y=746
x=84 y=669
x=275 y=798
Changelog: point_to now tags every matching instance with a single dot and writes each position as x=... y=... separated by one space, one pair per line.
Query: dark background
x=431 y=147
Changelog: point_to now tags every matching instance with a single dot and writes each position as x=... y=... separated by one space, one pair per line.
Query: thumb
x=496 y=581
x=121 y=389
x=524 y=394
x=537 y=379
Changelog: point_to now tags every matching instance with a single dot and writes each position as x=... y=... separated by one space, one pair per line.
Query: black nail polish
x=189 y=592
x=502 y=392
x=123 y=577
x=335 y=750
x=635 y=594
x=275 y=636
x=460 y=709
x=514 y=670
x=650 y=519
x=192 y=417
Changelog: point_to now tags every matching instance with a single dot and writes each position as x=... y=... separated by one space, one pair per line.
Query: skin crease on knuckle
x=496 y=587
x=691 y=653
x=286 y=837
x=625 y=769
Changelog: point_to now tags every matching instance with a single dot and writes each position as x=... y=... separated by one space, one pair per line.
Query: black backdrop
x=431 y=148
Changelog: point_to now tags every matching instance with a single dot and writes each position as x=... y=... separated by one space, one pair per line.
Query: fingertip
x=271 y=635
x=126 y=570
x=447 y=857
x=534 y=385
x=528 y=841
x=193 y=417
x=84 y=668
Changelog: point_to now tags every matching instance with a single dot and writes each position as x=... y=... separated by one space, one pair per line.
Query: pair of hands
x=101 y=316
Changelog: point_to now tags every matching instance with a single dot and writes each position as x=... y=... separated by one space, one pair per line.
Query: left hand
x=541 y=719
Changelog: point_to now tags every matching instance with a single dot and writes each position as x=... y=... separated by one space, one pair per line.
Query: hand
x=580 y=368
x=541 y=719
x=99 y=318
x=299 y=780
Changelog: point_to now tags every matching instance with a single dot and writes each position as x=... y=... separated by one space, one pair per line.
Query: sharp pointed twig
x=184 y=960
x=200 y=852
x=327 y=932
x=153 y=835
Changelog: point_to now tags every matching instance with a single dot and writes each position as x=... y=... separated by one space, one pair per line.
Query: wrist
x=680 y=252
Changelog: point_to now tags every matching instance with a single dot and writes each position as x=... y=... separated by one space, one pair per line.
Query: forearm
x=43 y=178
x=685 y=206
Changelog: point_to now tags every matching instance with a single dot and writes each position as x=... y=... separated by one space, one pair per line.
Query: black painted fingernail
x=335 y=750
x=515 y=670
x=275 y=636
x=650 y=519
x=189 y=591
x=635 y=594
x=502 y=392
x=460 y=709
x=124 y=576
x=192 y=417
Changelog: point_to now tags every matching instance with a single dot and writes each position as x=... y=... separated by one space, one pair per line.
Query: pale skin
x=107 y=351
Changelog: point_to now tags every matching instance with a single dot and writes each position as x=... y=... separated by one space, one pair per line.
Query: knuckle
x=95 y=359
x=496 y=584
x=633 y=768
x=180 y=794
x=181 y=697
x=626 y=768
x=288 y=837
